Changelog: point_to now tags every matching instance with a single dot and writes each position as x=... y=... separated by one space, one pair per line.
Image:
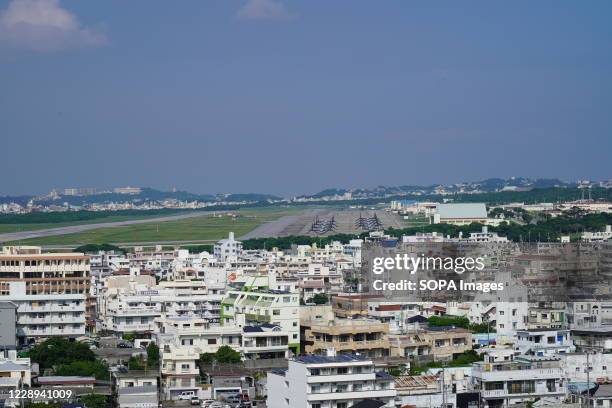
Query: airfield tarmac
x=301 y=224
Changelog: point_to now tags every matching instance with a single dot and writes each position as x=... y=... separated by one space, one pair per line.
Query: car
x=186 y=395
x=233 y=399
x=195 y=400
x=124 y=345
x=217 y=404
x=207 y=403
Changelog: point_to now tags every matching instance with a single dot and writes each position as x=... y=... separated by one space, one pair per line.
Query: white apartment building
x=179 y=371
x=333 y=381
x=524 y=379
x=485 y=236
x=227 y=248
x=51 y=291
x=598 y=366
x=544 y=342
x=134 y=306
x=251 y=303
x=506 y=318
x=588 y=314
x=198 y=333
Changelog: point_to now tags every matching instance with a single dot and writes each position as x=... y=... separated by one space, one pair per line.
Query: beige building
x=364 y=336
x=437 y=345
x=352 y=305
x=51 y=290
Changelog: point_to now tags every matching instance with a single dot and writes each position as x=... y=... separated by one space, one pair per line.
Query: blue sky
x=291 y=97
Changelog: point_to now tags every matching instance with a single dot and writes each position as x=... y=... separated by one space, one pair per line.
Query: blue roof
x=252 y=329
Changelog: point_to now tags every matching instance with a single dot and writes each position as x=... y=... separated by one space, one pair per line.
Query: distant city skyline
x=131 y=189
x=287 y=98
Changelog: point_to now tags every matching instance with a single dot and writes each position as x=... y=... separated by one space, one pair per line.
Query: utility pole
x=443 y=386
x=588 y=368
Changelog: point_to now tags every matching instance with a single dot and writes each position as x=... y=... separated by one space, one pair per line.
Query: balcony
x=313 y=379
x=350 y=345
x=67 y=331
x=326 y=396
x=128 y=327
x=25 y=319
x=257 y=318
x=28 y=308
x=134 y=312
x=516 y=375
x=506 y=394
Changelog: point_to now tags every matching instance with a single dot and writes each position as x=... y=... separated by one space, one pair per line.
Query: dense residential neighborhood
x=276 y=327
x=305 y=204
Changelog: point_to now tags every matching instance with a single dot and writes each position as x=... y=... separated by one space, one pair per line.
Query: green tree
x=136 y=363
x=29 y=404
x=318 y=299
x=152 y=355
x=84 y=368
x=226 y=354
x=207 y=358
x=94 y=401
x=129 y=336
x=59 y=351
x=448 y=320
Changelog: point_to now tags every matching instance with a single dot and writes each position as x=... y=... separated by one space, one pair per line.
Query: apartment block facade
x=51 y=291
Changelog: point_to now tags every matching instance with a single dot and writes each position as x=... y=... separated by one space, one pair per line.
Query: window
x=212 y=341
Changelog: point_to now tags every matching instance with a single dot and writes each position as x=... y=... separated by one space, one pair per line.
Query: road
x=72 y=229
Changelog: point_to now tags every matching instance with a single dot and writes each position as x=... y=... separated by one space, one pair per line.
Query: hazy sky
x=290 y=97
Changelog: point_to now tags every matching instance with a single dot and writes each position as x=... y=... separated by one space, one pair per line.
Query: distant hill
x=490 y=185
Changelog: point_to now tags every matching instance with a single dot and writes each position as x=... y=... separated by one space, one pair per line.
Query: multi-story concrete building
x=227 y=248
x=597 y=339
x=51 y=291
x=430 y=344
x=544 y=342
x=333 y=381
x=134 y=304
x=179 y=371
x=445 y=342
x=8 y=326
x=589 y=314
x=362 y=336
x=548 y=317
x=15 y=374
x=525 y=379
x=251 y=302
x=594 y=367
x=352 y=306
